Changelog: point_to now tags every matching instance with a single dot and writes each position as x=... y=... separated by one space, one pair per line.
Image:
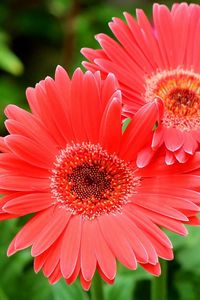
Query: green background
x=35 y=36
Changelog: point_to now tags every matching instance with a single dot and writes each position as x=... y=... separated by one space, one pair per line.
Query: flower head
x=159 y=60
x=68 y=162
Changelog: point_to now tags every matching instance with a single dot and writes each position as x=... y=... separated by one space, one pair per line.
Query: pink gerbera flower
x=158 y=60
x=68 y=162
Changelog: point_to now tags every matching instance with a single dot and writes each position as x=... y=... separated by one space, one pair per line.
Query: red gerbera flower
x=159 y=60
x=69 y=163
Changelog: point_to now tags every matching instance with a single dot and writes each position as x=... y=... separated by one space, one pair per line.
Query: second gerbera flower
x=159 y=60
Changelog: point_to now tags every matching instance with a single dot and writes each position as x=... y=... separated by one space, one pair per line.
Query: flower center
x=180 y=91
x=87 y=180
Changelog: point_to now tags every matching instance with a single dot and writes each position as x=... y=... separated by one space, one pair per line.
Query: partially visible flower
x=159 y=60
x=68 y=162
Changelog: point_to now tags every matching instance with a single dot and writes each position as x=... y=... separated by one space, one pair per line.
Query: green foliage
x=187 y=285
x=8 y=60
x=125 y=284
x=125 y=124
x=191 y=250
x=63 y=292
x=59 y=7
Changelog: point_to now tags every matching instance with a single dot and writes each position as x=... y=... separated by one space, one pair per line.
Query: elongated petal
x=27 y=204
x=27 y=235
x=88 y=258
x=110 y=129
x=70 y=246
x=51 y=231
x=29 y=151
x=140 y=128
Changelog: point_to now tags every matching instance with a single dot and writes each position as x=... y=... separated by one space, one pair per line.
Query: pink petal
x=162 y=251
x=25 y=123
x=144 y=157
x=181 y=156
x=31 y=230
x=39 y=261
x=165 y=31
x=75 y=273
x=173 y=139
x=51 y=231
x=76 y=106
x=110 y=129
x=91 y=54
x=125 y=37
x=70 y=246
x=31 y=152
x=3 y=146
x=153 y=269
x=103 y=276
x=52 y=257
x=150 y=44
x=169 y=158
x=8 y=160
x=149 y=202
x=39 y=104
x=118 y=55
x=88 y=258
x=134 y=240
x=91 y=103
x=181 y=26
x=23 y=183
x=190 y=144
x=28 y=203
x=195 y=221
x=173 y=225
x=142 y=220
x=85 y=284
x=55 y=276
x=104 y=255
x=117 y=242
x=139 y=129
x=109 y=87
x=157 y=139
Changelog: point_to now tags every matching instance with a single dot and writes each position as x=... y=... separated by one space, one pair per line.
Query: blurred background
x=35 y=36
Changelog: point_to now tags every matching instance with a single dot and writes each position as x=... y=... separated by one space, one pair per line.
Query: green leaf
x=187 y=285
x=3 y=295
x=9 y=61
x=62 y=291
x=188 y=255
x=40 y=290
x=125 y=283
x=59 y=7
x=125 y=124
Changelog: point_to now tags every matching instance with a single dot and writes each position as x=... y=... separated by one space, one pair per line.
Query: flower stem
x=97 y=288
x=159 y=284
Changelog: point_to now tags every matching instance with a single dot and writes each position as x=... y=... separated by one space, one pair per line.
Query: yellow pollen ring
x=180 y=92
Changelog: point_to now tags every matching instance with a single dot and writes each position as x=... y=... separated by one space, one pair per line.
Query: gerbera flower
x=158 y=60
x=68 y=162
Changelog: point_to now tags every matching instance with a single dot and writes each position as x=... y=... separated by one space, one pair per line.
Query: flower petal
x=70 y=246
x=51 y=231
x=29 y=203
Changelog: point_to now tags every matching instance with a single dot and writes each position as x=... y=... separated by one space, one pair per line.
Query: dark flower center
x=182 y=102
x=183 y=97
x=87 y=181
